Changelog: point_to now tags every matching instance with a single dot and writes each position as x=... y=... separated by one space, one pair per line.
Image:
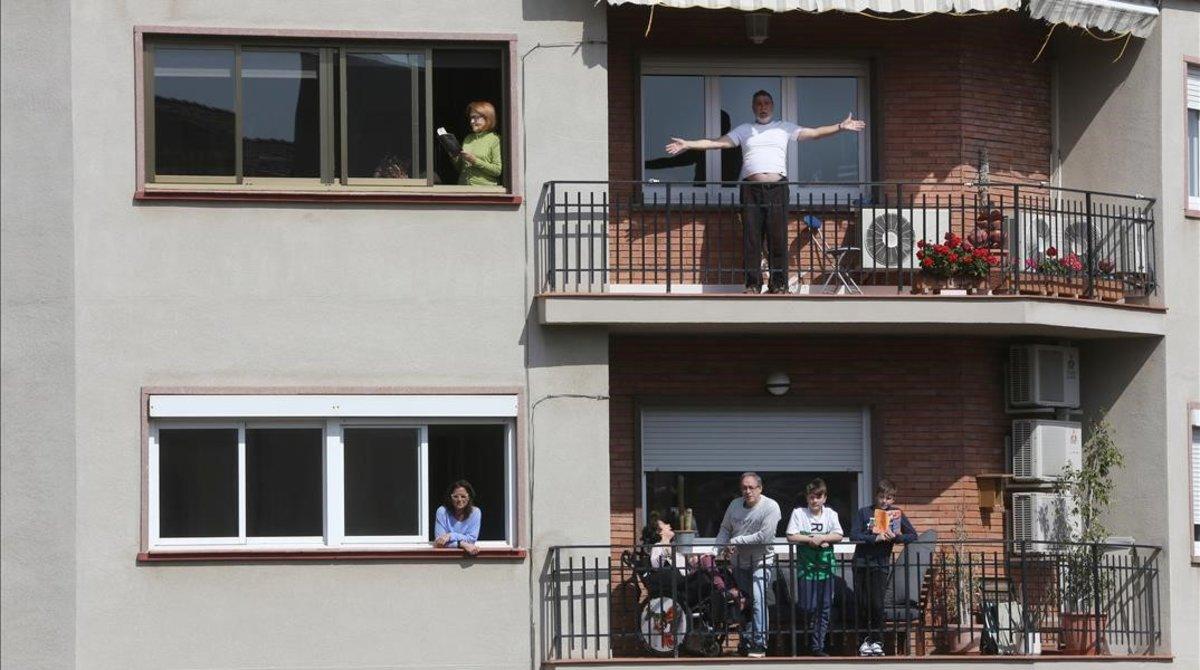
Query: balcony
x=964 y=598
x=645 y=255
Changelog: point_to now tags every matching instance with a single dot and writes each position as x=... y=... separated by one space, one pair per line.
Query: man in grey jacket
x=749 y=529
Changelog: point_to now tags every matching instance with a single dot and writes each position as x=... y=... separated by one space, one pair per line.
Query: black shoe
x=820 y=652
x=757 y=651
x=778 y=289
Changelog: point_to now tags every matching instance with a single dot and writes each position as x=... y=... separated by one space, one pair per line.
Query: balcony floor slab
x=999 y=316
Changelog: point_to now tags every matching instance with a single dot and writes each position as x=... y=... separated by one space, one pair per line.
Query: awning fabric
x=878 y=6
x=1114 y=16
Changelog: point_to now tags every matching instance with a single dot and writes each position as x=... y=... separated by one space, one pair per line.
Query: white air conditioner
x=890 y=234
x=1040 y=519
x=1041 y=448
x=1036 y=232
x=1041 y=375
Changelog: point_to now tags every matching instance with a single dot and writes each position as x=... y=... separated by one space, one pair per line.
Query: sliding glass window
x=318 y=116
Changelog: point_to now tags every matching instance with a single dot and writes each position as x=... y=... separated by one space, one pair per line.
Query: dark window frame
x=330 y=187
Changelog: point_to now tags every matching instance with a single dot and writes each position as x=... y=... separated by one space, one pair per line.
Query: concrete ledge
x=902 y=315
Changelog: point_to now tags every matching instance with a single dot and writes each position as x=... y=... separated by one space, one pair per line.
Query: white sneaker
x=864 y=649
x=876 y=649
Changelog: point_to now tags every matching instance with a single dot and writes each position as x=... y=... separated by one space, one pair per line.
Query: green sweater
x=488 y=164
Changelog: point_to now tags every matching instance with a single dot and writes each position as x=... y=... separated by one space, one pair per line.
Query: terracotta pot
x=1108 y=290
x=1079 y=633
x=1032 y=283
x=1068 y=287
x=976 y=285
x=962 y=640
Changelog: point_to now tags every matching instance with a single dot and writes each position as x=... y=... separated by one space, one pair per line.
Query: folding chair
x=836 y=254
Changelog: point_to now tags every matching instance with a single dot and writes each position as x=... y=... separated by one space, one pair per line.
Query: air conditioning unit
x=1041 y=520
x=1036 y=232
x=1121 y=240
x=1041 y=448
x=1041 y=375
x=890 y=234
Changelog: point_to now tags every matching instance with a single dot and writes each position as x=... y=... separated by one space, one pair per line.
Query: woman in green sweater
x=480 y=164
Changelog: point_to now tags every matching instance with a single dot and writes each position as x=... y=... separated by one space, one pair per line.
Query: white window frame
x=786 y=109
x=351 y=411
x=865 y=493
x=1193 y=105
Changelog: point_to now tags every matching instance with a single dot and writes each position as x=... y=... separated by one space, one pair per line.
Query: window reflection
x=673 y=107
x=281 y=114
x=194 y=98
x=385 y=115
x=737 y=94
x=822 y=101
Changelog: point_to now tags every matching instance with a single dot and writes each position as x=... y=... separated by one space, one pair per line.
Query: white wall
x=37 y=461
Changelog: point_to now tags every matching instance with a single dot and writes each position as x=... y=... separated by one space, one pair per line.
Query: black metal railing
x=688 y=238
x=971 y=597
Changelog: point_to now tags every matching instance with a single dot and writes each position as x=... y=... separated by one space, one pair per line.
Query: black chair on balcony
x=837 y=256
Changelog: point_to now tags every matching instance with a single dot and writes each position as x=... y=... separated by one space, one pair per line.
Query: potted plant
x=1059 y=276
x=1089 y=491
x=976 y=265
x=954 y=263
x=958 y=594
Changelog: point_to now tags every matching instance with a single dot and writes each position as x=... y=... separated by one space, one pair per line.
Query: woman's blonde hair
x=486 y=110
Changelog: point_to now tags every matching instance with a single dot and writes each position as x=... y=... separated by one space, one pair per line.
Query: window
x=324 y=471
x=692 y=458
x=322 y=116
x=1194 y=416
x=692 y=100
x=1193 y=138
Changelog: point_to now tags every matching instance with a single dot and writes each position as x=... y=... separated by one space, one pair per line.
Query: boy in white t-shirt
x=815 y=529
x=764 y=192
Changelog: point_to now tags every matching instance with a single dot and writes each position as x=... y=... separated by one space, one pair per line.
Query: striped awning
x=878 y=6
x=1114 y=16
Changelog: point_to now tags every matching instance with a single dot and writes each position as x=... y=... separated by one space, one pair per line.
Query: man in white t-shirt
x=764 y=195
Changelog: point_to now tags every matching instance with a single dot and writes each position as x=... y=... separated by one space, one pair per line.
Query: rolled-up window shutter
x=1193 y=87
x=738 y=439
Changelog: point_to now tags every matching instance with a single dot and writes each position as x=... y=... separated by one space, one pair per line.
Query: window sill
x=300 y=555
x=422 y=197
x=1191 y=213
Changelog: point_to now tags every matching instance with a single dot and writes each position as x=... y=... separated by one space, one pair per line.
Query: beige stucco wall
x=37 y=398
x=278 y=295
x=1122 y=129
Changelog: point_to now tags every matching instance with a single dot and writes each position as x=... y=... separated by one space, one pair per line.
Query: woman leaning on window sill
x=480 y=163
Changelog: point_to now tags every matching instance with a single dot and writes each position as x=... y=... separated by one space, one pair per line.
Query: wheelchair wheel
x=663 y=625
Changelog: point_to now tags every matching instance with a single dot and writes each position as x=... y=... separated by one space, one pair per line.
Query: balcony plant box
x=953 y=264
x=1068 y=286
x=1032 y=283
x=1108 y=289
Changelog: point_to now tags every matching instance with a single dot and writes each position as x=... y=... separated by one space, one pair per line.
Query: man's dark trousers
x=764 y=210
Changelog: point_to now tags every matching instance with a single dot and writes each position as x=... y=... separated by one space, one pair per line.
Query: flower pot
x=961 y=640
x=1108 y=289
x=1066 y=286
x=976 y=285
x=1079 y=633
x=1032 y=283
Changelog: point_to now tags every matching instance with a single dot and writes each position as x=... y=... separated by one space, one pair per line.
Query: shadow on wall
x=1087 y=81
x=591 y=15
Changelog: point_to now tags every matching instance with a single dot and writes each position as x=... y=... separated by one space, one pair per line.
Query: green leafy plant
x=1089 y=489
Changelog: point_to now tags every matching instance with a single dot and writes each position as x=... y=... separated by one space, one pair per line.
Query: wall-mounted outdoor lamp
x=778 y=383
x=756 y=26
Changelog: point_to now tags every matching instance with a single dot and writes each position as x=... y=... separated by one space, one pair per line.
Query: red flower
x=967 y=246
x=941 y=248
x=921 y=244
x=928 y=262
x=992 y=260
x=952 y=257
x=920 y=255
x=1052 y=252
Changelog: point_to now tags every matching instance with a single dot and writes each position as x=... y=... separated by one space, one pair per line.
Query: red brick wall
x=937 y=408
x=944 y=87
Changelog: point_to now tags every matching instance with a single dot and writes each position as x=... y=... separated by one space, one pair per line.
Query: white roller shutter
x=737 y=439
x=1193 y=87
